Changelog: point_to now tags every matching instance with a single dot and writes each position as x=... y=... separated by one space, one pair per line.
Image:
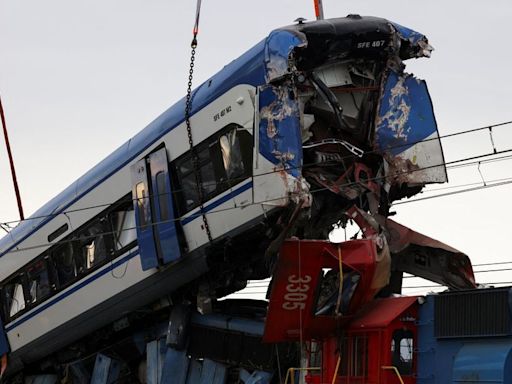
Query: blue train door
x=154 y=211
x=164 y=218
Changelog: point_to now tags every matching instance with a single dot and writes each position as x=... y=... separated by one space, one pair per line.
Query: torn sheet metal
x=278 y=48
x=422 y=256
x=406 y=132
x=279 y=130
x=280 y=142
x=413 y=43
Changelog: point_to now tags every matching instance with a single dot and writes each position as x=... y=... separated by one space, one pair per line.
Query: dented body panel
x=340 y=83
x=324 y=122
x=406 y=132
x=345 y=130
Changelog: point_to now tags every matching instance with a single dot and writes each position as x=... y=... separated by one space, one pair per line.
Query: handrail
x=393 y=368
x=291 y=371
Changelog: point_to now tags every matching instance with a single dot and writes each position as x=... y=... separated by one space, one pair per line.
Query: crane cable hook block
x=188 y=110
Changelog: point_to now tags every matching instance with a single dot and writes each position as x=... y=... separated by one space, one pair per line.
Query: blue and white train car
x=313 y=119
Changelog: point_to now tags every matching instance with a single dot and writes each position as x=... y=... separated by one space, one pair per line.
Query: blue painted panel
x=279 y=130
x=155 y=355
x=246 y=326
x=435 y=358
x=143 y=217
x=256 y=377
x=406 y=115
x=408 y=34
x=483 y=362
x=278 y=46
x=164 y=215
x=106 y=370
x=213 y=373
x=194 y=372
x=175 y=367
x=4 y=344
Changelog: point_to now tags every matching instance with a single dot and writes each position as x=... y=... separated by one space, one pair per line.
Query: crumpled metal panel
x=418 y=45
x=279 y=129
x=406 y=131
x=298 y=280
x=422 y=256
x=278 y=47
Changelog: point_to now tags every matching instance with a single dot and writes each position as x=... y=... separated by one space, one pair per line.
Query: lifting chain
x=188 y=110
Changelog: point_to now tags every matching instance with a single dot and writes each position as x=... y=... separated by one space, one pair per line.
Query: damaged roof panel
x=278 y=47
x=413 y=43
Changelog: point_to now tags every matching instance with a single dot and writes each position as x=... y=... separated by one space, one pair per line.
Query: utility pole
x=319 y=9
x=11 y=162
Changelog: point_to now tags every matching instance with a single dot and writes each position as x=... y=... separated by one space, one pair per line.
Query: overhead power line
x=220 y=210
x=493 y=185
x=466 y=162
x=474 y=159
x=449 y=165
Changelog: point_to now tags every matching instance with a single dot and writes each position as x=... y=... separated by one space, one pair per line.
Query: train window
x=98 y=248
x=107 y=235
x=38 y=281
x=236 y=148
x=327 y=300
x=224 y=160
x=208 y=179
x=123 y=226
x=14 y=296
x=161 y=183
x=140 y=190
x=189 y=190
x=64 y=263
x=231 y=155
x=402 y=351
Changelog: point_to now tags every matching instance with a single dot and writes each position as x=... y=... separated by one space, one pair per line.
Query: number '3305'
x=296 y=295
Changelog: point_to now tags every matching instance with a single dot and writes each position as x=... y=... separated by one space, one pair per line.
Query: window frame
x=48 y=259
x=212 y=146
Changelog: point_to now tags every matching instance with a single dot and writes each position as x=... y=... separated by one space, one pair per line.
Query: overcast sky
x=79 y=78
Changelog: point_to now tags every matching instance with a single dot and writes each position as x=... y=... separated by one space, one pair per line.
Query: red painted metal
x=457 y=272
x=365 y=345
x=297 y=281
x=381 y=312
x=11 y=163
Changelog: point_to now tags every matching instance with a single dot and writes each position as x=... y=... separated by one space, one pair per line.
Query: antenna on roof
x=319 y=9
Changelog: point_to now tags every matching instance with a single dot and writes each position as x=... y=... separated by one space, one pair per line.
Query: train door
x=154 y=211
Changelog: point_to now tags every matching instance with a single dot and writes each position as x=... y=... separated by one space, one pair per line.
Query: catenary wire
x=263 y=284
x=442 y=286
x=220 y=210
x=449 y=165
x=351 y=156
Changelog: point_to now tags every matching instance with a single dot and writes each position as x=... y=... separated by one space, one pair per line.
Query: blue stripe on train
x=69 y=292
